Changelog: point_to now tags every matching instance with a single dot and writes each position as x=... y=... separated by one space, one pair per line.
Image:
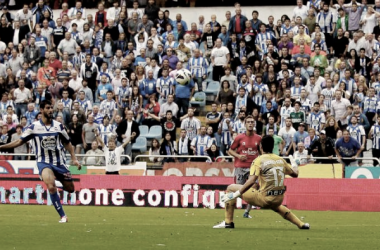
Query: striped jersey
x=315 y=121
x=285 y=30
x=107 y=107
x=261 y=39
x=166 y=86
x=105 y=132
x=85 y=105
x=197 y=66
x=191 y=126
x=226 y=133
x=202 y=143
x=260 y=90
x=370 y=104
x=285 y=113
x=376 y=86
x=239 y=127
x=296 y=91
x=47 y=142
x=356 y=132
x=305 y=105
x=326 y=21
x=376 y=136
x=123 y=93
x=67 y=104
x=329 y=95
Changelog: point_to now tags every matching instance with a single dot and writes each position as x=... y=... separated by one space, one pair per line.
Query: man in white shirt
x=300 y=10
x=22 y=97
x=93 y=156
x=114 y=12
x=287 y=134
x=220 y=56
x=339 y=108
x=75 y=83
x=25 y=16
x=79 y=22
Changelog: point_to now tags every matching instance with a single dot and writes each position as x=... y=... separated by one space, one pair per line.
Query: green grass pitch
x=37 y=227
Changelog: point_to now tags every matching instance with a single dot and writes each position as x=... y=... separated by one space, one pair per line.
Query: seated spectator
x=23 y=149
x=153 y=107
x=301 y=154
x=214 y=153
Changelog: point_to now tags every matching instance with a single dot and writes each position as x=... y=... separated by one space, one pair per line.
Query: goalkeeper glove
x=230 y=196
x=294 y=164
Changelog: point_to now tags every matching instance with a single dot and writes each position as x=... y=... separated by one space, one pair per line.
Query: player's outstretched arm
x=74 y=159
x=11 y=145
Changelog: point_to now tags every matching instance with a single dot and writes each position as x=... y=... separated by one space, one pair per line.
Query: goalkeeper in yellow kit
x=270 y=169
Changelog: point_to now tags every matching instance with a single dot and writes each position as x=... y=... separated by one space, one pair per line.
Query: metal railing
x=67 y=155
x=174 y=156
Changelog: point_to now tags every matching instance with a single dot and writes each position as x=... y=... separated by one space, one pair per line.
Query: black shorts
x=112 y=172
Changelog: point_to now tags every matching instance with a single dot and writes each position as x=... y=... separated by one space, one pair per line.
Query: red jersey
x=246 y=145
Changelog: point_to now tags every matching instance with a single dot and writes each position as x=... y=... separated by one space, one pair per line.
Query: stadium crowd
x=309 y=78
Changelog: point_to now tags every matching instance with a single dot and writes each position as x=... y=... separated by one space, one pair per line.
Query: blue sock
x=55 y=200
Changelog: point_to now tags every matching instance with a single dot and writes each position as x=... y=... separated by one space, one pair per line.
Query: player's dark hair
x=267 y=144
x=44 y=103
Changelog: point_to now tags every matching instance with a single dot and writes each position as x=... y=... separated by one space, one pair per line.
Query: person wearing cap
x=300 y=136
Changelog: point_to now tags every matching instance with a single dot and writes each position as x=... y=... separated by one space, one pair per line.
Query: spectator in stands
x=183 y=145
x=225 y=95
x=21 y=149
x=93 y=155
x=124 y=132
x=22 y=96
x=332 y=128
x=192 y=126
x=324 y=146
x=75 y=133
x=300 y=136
x=287 y=133
x=153 y=107
x=301 y=154
x=167 y=148
x=155 y=150
x=201 y=144
x=348 y=148
x=88 y=134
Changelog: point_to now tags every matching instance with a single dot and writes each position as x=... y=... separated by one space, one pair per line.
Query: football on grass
x=183 y=76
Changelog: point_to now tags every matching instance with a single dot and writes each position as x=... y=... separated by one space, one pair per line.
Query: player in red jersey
x=245 y=149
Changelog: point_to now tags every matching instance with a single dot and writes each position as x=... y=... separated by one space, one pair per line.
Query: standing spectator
x=220 y=56
x=155 y=150
x=88 y=133
x=327 y=22
x=197 y=66
x=300 y=10
x=75 y=133
x=90 y=72
x=287 y=134
x=347 y=147
x=22 y=96
x=374 y=134
x=125 y=130
x=168 y=148
x=192 y=126
x=237 y=23
x=357 y=131
x=21 y=149
x=183 y=95
x=316 y=118
x=212 y=119
x=68 y=45
x=323 y=147
x=279 y=143
x=201 y=143
x=151 y=10
x=354 y=16
x=339 y=109
x=300 y=136
x=169 y=105
x=183 y=145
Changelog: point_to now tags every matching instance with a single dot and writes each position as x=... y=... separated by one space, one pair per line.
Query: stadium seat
x=144 y=130
x=199 y=100
x=213 y=88
x=155 y=132
x=140 y=144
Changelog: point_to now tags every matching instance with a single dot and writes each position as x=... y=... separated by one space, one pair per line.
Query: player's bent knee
x=52 y=189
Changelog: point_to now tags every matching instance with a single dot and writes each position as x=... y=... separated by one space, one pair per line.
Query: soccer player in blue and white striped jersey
x=50 y=142
x=374 y=133
x=357 y=131
x=316 y=119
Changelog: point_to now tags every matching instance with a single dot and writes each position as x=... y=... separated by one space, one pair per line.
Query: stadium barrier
x=189 y=192
x=362 y=173
x=174 y=157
